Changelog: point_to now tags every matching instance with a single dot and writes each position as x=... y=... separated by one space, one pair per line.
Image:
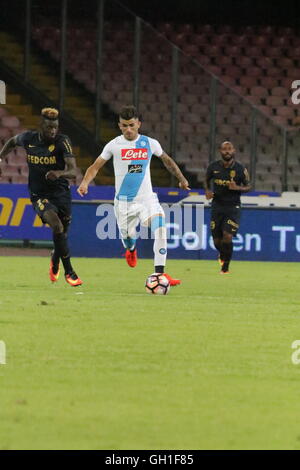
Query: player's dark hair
x=225 y=142
x=129 y=112
x=50 y=113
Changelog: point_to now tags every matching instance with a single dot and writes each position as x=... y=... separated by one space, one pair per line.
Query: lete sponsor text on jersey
x=134 y=154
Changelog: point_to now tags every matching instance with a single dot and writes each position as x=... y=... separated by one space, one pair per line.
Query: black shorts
x=224 y=219
x=60 y=202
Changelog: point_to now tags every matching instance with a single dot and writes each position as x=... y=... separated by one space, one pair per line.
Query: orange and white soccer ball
x=157 y=283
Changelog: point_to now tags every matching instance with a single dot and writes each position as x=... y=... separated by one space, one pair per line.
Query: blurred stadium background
x=199 y=73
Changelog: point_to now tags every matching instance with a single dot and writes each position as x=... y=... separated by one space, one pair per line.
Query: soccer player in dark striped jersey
x=51 y=164
x=229 y=180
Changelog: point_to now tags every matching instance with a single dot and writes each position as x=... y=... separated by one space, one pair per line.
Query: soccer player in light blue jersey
x=135 y=201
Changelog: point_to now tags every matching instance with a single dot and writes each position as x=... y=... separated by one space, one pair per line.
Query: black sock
x=159 y=269
x=225 y=266
x=55 y=261
x=226 y=250
x=218 y=245
x=61 y=247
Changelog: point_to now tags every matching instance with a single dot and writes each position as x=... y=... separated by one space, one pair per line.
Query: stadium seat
x=19 y=179
x=274 y=51
x=241 y=40
x=248 y=30
x=3 y=112
x=231 y=99
x=254 y=99
x=260 y=40
x=280 y=91
x=5 y=179
x=225 y=61
x=281 y=41
x=285 y=111
x=265 y=30
x=5 y=134
x=233 y=71
x=282 y=121
x=293 y=73
x=254 y=72
x=11 y=122
x=267 y=110
x=259 y=91
x=274 y=72
x=233 y=51
x=275 y=101
x=244 y=61
x=269 y=82
x=11 y=170
x=284 y=62
x=211 y=50
x=248 y=82
x=254 y=51
x=230 y=81
x=264 y=62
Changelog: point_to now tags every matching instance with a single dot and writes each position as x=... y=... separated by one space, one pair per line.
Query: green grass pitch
x=107 y=366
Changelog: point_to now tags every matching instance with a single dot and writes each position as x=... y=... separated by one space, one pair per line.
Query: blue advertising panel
x=265 y=234
x=18 y=221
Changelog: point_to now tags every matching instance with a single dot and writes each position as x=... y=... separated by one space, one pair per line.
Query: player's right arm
x=8 y=147
x=90 y=174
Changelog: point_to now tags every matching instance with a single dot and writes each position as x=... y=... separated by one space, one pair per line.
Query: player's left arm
x=173 y=168
x=69 y=172
x=245 y=187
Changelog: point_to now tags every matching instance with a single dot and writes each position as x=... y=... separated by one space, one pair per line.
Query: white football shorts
x=130 y=213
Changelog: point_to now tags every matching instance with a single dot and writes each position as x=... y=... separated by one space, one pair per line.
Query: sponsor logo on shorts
x=41 y=203
x=230 y=222
x=163 y=251
x=134 y=154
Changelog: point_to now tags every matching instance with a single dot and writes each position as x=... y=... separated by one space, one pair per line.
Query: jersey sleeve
x=21 y=139
x=107 y=152
x=156 y=148
x=67 y=147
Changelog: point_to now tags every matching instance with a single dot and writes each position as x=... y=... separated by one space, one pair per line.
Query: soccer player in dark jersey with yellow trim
x=51 y=163
x=230 y=178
